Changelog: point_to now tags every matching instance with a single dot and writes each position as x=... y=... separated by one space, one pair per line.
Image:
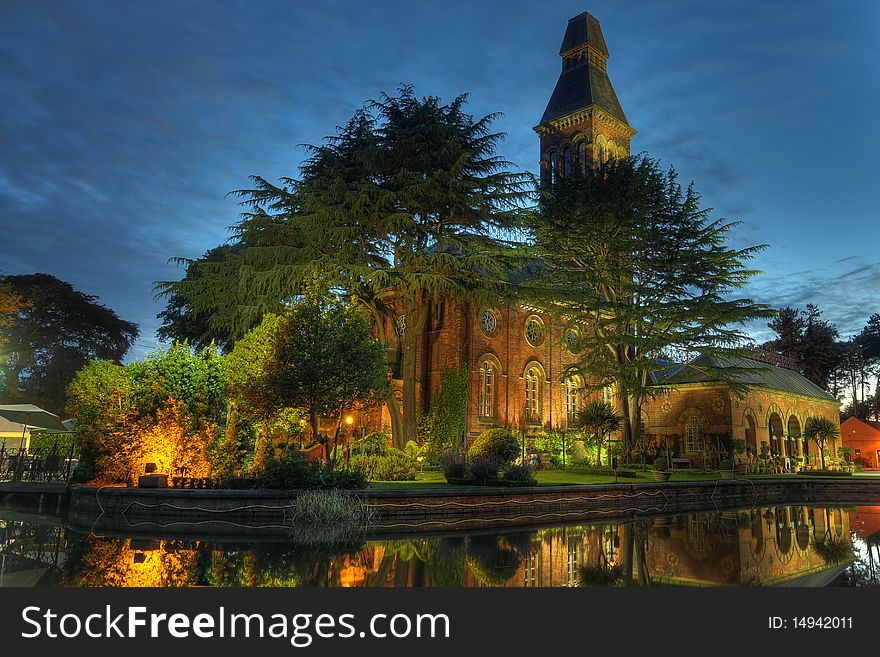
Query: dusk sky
x=124 y=124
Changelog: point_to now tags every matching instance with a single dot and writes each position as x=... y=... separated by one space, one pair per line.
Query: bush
x=726 y=464
x=661 y=464
x=482 y=468
x=294 y=471
x=453 y=465
x=373 y=444
x=498 y=445
x=519 y=473
x=394 y=465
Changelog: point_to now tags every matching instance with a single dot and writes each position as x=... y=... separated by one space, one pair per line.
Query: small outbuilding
x=863 y=436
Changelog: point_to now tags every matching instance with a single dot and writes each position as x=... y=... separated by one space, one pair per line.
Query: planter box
x=727 y=474
x=660 y=476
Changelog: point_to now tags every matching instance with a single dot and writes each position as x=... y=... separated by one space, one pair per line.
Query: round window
x=534 y=330
x=488 y=322
x=571 y=338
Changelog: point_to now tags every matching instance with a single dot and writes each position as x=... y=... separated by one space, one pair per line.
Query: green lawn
x=544 y=477
x=563 y=478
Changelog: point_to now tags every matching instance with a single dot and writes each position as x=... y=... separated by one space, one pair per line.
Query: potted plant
x=726 y=468
x=661 y=469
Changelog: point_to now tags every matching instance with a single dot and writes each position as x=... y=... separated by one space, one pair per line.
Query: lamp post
x=349 y=420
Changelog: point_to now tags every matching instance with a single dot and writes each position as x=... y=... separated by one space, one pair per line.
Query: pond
x=782 y=545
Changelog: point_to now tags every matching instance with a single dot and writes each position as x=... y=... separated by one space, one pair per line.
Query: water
x=787 y=546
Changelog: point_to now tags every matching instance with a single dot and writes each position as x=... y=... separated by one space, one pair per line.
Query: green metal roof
x=749 y=372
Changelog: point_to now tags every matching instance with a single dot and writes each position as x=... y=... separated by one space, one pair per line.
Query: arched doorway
x=777 y=433
x=750 y=426
x=794 y=436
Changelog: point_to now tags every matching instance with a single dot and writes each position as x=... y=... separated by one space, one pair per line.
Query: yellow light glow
x=349 y=420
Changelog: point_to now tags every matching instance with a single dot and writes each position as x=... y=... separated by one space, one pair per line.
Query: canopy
x=32 y=416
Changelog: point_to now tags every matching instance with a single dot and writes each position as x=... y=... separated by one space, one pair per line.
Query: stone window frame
x=695 y=444
x=489 y=366
x=496 y=319
x=534 y=377
x=543 y=328
x=574 y=396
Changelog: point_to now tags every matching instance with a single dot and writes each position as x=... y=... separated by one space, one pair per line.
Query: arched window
x=608 y=394
x=566 y=162
x=554 y=167
x=487 y=389
x=582 y=157
x=572 y=398
x=533 y=378
x=694 y=435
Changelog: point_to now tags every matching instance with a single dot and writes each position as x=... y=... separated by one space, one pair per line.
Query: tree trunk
x=380 y=315
x=414 y=311
x=397 y=432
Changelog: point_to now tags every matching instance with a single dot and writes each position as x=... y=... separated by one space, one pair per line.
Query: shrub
x=661 y=464
x=518 y=473
x=726 y=464
x=372 y=444
x=294 y=471
x=482 y=468
x=394 y=465
x=453 y=465
x=328 y=516
x=498 y=445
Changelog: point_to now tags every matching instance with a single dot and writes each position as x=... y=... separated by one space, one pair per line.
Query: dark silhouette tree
x=56 y=331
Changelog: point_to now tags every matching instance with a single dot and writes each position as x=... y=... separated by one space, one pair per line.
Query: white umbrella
x=29 y=415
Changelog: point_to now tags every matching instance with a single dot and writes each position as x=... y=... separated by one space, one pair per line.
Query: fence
x=54 y=463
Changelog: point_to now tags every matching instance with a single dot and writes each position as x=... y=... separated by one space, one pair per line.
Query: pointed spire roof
x=584 y=80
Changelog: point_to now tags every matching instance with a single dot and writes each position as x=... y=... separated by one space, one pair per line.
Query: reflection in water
x=787 y=545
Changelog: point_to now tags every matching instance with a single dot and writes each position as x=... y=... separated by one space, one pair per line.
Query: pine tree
x=633 y=262
x=400 y=201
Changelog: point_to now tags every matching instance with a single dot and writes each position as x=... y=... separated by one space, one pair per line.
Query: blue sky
x=124 y=124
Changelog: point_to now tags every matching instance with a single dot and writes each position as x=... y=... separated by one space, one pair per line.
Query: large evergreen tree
x=400 y=200
x=645 y=276
x=807 y=340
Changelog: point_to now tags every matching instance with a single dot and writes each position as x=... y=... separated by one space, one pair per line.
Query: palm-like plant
x=821 y=431
x=599 y=419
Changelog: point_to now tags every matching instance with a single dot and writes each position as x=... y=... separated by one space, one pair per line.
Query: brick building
x=773 y=409
x=864 y=438
x=515 y=354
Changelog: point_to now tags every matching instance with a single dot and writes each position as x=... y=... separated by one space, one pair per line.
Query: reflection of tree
x=422 y=562
x=97 y=562
x=493 y=560
x=640 y=552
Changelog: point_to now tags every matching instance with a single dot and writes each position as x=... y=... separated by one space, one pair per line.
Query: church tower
x=583 y=124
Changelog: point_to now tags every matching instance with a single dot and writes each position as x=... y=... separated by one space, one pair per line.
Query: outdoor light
x=349 y=420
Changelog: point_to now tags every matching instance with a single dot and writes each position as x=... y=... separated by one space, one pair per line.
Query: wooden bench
x=681 y=463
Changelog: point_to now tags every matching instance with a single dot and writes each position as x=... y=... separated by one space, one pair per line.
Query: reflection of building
x=864 y=438
x=768 y=546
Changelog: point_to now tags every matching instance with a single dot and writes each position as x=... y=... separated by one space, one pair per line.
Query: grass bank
x=562 y=478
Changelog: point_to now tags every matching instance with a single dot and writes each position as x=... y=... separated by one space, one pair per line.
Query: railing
x=54 y=463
